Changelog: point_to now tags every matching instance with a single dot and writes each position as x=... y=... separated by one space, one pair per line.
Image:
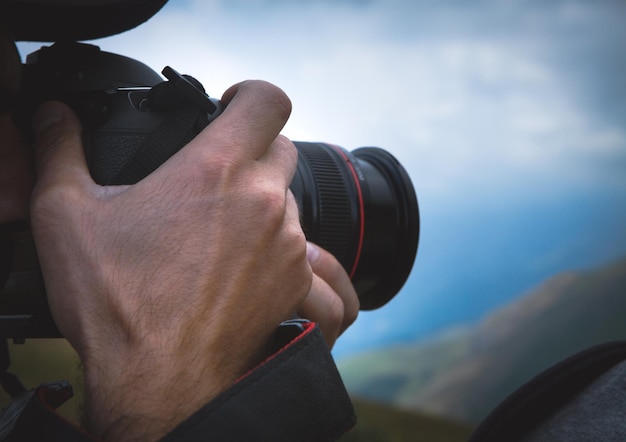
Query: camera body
x=133 y=119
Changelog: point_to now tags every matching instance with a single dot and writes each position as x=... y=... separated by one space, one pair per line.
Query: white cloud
x=463 y=110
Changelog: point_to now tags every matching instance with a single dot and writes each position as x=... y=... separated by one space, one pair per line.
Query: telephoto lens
x=360 y=206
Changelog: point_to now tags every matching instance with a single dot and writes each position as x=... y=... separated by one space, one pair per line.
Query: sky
x=509 y=116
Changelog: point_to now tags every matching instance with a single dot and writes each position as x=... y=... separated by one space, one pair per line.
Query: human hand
x=171 y=288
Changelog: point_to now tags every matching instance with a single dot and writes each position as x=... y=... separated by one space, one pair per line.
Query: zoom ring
x=334 y=205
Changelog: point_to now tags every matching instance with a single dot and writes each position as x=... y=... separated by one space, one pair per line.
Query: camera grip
x=135 y=142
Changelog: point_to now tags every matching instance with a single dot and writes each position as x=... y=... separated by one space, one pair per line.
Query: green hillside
x=466 y=372
x=380 y=423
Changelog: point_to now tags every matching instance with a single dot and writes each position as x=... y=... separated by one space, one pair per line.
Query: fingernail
x=47 y=115
x=312 y=252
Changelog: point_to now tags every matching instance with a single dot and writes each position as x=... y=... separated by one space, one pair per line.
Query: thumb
x=59 y=156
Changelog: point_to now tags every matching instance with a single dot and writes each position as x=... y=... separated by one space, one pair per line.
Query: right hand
x=170 y=289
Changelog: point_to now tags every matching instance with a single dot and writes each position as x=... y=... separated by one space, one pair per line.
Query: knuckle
x=272 y=203
x=287 y=150
x=281 y=103
x=301 y=270
x=350 y=315
x=208 y=162
x=274 y=97
x=334 y=271
x=336 y=312
x=209 y=170
x=296 y=242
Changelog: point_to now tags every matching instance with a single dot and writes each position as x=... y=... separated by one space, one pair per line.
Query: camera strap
x=184 y=118
x=180 y=126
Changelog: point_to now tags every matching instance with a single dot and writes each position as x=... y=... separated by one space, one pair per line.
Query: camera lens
x=361 y=207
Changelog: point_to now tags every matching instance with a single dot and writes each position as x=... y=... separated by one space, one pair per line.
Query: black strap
x=180 y=126
x=296 y=395
x=537 y=400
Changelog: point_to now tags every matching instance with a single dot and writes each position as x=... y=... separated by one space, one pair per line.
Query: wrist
x=141 y=395
x=142 y=392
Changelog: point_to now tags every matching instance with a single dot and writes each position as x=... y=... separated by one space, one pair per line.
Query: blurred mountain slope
x=465 y=372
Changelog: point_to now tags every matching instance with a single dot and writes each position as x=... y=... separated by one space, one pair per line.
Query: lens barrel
x=360 y=206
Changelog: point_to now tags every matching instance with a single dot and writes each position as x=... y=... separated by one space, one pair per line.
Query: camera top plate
x=75 y=20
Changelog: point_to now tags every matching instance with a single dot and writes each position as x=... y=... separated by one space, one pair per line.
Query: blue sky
x=509 y=115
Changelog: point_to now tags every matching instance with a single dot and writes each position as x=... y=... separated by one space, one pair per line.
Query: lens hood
x=75 y=20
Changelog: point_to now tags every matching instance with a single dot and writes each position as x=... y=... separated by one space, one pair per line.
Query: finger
x=323 y=306
x=255 y=114
x=332 y=301
x=59 y=156
x=292 y=220
x=326 y=266
x=281 y=160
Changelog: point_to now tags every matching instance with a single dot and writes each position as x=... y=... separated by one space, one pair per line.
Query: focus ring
x=335 y=219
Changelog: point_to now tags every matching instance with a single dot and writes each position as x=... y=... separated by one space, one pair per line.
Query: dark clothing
x=296 y=394
x=598 y=413
x=581 y=399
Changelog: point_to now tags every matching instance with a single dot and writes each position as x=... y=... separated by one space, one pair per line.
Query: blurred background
x=510 y=117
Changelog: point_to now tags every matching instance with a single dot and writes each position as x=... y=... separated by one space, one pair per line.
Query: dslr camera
x=360 y=205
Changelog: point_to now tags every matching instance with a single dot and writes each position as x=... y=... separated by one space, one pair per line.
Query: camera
x=359 y=205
